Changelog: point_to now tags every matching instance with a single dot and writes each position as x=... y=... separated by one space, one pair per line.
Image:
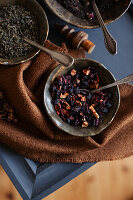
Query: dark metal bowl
x=109 y=16
x=105 y=76
x=37 y=11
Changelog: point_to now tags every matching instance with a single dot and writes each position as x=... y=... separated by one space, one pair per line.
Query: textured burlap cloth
x=36 y=137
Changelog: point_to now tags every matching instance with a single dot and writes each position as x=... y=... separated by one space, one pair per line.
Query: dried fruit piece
x=85 y=124
x=94 y=112
x=63 y=96
x=73 y=72
x=83 y=98
x=86 y=72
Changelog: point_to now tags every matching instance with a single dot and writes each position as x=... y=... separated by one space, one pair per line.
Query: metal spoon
x=127 y=79
x=60 y=57
x=109 y=41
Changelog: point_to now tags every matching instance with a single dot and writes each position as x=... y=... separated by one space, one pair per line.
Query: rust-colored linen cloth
x=36 y=137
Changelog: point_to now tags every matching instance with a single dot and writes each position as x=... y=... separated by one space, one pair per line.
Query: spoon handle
x=60 y=57
x=127 y=79
x=109 y=41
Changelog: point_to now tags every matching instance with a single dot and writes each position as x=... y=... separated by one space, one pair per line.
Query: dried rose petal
x=90 y=16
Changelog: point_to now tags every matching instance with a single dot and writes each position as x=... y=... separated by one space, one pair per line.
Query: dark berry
x=104 y=110
x=108 y=105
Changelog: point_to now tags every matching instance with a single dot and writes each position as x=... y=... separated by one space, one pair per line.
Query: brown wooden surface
x=104 y=181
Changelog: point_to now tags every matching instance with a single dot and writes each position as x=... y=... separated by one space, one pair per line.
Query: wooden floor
x=104 y=181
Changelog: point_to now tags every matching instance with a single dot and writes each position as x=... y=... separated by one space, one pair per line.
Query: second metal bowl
x=40 y=15
x=105 y=76
x=108 y=16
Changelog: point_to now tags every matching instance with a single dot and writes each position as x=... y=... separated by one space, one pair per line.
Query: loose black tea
x=79 y=107
x=15 y=20
x=83 y=8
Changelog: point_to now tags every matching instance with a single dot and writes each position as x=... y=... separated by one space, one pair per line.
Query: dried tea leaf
x=15 y=20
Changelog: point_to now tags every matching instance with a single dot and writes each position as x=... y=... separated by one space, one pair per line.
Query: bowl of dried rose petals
x=71 y=105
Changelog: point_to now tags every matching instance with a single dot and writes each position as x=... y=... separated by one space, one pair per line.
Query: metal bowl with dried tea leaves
x=20 y=18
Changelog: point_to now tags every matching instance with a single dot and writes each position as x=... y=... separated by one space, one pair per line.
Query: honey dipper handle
x=77 y=39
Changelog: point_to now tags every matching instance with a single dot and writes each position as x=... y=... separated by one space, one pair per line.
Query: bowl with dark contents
x=71 y=105
x=20 y=18
x=81 y=14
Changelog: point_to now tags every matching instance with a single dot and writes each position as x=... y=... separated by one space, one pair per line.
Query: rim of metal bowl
x=32 y=54
x=59 y=120
x=80 y=25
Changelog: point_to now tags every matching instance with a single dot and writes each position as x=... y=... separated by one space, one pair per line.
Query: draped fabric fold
x=36 y=137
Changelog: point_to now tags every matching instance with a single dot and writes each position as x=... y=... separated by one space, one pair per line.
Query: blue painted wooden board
x=34 y=180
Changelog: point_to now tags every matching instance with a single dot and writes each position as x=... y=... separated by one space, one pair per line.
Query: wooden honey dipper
x=78 y=39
